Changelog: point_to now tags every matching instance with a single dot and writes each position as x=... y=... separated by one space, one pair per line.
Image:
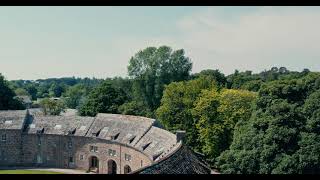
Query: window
x=39 y=141
x=144 y=147
x=39 y=159
x=127 y=169
x=81 y=157
x=69 y=144
x=72 y=131
x=93 y=148
x=127 y=157
x=96 y=134
x=8 y=122
x=112 y=152
x=94 y=163
x=131 y=140
x=71 y=159
x=4 y=138
x=58 y=126
x=115 y=137
x=3 y=155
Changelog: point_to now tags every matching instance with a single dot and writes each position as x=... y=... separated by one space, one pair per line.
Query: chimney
x=180 y=135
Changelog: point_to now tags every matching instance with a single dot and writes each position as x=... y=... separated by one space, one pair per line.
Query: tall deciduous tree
x=135 y=108
x=153 y=68
x=103 y=99
x=7 y=100
x=218 y=76
x=32 y=90
x=177 y=104
x=52 y=107
x=75 y=95
x=56 y=89
x=21 y=92
x=217 y=113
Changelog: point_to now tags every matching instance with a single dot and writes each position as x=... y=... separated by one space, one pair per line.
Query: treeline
x=245 y=122
x=7 y=96
x=52 y=87
x=282 y=135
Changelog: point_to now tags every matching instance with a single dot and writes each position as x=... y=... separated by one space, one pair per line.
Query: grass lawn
x=27 y=172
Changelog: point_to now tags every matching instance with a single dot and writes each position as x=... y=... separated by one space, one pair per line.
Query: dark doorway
x=112 y=167
x=94 y=164
x=127 y=169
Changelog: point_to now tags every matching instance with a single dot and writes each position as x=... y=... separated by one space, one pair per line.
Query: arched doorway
x=127 y=169
x=94 y=164
x=112 y=167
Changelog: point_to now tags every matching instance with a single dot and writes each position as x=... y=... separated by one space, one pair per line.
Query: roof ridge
x=149 y=128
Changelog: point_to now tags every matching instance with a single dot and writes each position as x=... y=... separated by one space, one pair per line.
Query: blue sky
x=42 y=42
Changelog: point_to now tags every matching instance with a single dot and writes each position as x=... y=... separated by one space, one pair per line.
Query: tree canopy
x=281 y=136
x=103 y=99
x=52 y=107
x=217 y=112
x=7 y=100
x=153 y=68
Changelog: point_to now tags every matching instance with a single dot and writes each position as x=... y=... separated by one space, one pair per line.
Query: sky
x=44 y=42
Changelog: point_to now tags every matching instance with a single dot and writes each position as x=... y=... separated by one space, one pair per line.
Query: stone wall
x=10 y=149
x=75 y=152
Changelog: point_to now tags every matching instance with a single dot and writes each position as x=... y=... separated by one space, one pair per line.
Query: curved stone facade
x=107 y=143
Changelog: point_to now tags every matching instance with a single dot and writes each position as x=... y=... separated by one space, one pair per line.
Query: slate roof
x=12 y=119
x=120 y=128
x=180 y=161
x=60 y=125
x=156 y=143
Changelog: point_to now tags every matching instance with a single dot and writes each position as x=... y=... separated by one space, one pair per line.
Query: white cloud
x=282 y=36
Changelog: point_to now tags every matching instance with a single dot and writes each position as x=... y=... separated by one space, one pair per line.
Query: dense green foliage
x=103 y=99
x=175 y=112
x=282 y=135
x=207 y=112
x=51 y=106
x=219 y=77
x=53 y=87
x=75 y=96
x=21 y=92
x=217 y=113
x=7 y=100
x=153 y=68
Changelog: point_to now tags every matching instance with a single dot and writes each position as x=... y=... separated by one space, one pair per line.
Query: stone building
x=26 y=101
x=107 y=144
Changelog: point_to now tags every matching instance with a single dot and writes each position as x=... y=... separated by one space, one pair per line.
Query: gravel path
x=64 y=171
